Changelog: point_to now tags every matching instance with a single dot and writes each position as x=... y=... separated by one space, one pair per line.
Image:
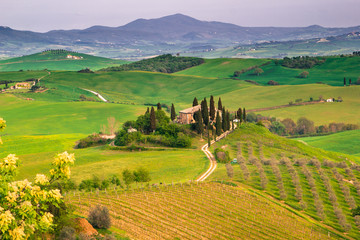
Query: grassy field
x=221 y=67
x=51 y=61
x=36 y=153
x=331 y=72
x=281 y=167
x=201 y=211
x=344 y=142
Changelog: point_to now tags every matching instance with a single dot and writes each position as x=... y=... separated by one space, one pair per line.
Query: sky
x=45 y=15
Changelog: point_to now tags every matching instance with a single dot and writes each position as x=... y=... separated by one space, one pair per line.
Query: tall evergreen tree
x=195 y=102
x=218 y=124
x=239 y=115
x=220 y=105
x=152 y=119
x=208 y=132
x=350 y=82
x=158 y=106
x=227 y=120
x=199 y=122
x=173 y=114
x=205 y=111
x=244 y=115
x=223 y=116
x=147 y=110
x=212 y=108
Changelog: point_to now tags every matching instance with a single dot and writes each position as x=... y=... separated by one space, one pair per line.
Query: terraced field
x=324 y=185
x=200 y=211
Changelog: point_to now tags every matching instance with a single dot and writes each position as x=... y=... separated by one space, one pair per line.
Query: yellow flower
x=17 y=233
x=11 y=197
x=55 y=193
x=5 y=220
x=46 y=221
x=11 y=159
x=41 y=179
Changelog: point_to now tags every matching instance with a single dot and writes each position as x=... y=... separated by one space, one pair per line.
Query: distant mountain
x=154 y=36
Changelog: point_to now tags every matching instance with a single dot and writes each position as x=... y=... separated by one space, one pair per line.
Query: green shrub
x=92 y=140
x=99 y=217
x=221 y=155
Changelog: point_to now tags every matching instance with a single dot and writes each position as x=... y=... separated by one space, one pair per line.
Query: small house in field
x=330 y=100
x=23 y=85
x=186 y=116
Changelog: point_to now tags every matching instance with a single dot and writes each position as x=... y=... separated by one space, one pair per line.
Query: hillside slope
x=325 y=185
x=200 y=211
x=57 y=60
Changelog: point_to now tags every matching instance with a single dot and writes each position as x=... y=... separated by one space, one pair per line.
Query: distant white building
x=330 y=100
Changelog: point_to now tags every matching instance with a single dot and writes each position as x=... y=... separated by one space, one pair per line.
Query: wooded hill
x=164 y=63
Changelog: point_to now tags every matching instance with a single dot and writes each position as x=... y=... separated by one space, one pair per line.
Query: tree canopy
x=164 y=63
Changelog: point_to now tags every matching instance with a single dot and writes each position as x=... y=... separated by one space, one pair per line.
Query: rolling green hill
x=57 y=60
x=345 y=142
x=221 y=67
x=305 y=178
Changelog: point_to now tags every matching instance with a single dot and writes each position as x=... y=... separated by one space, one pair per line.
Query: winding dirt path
x=97 y=94
x=210 y=156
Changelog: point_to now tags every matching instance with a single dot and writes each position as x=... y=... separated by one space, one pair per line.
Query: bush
x=221 y=155
x=99 y=217
x=91 y=140
x=67 y=233
x=272 y=82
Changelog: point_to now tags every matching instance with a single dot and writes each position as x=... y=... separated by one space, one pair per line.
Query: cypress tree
x=223 y=116
x=195 y=102
x=244 y=115
x=152 y=119
x=147 y=110
x=350 y=82
x=227 y=120
x=220 y=105
x=158 y=106
x=212 y=108
x=209 y=141
x=205 y=111
x=199 y=122
x=239 y=114
x=218 y=124
x=173 y=114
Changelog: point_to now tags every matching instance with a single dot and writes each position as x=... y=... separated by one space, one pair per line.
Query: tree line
x=303 y=126
x=164 y=63
x=302 y=62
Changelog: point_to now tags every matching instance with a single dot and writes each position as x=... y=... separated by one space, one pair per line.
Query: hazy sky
x=44 y=15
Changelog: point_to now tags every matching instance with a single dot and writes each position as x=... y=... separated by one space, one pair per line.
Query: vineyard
x=199 y=211
x=321 y=184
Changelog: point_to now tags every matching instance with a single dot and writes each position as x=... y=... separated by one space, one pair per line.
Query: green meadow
x=50 y=61
x=345 y=142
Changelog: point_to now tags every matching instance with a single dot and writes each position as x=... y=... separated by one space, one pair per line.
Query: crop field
x=200 y=211
x=345 y=142
x=58 y=61
x=322 y=184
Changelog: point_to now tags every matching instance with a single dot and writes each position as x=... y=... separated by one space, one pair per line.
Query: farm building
x=73 y=57
x=23 y=85
x=186 y=116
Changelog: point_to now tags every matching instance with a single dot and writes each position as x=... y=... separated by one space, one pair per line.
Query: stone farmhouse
x=186 y=116
x=23 y=85
x=73 y=57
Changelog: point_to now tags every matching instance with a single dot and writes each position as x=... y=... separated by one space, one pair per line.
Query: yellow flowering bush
x=24 y=205
x=2 y=126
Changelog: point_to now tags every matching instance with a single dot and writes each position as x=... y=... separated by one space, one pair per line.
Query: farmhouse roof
x=191 y=110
